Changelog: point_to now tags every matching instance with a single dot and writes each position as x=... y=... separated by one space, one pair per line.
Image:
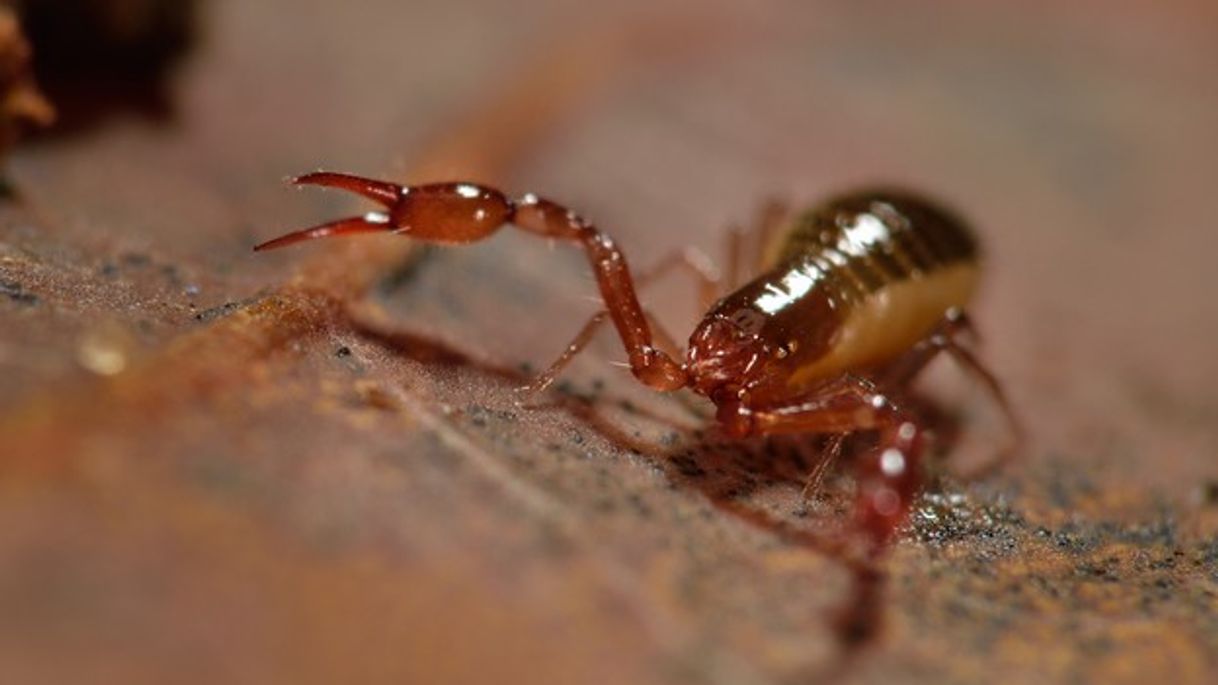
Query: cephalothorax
x=848 y=302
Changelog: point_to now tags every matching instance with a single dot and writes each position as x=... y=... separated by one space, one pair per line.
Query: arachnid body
x=847 y=303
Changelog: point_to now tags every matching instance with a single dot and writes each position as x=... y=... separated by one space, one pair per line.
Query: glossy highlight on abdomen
x=889 y=266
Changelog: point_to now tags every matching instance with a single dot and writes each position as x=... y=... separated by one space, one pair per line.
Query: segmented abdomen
x=854 y=245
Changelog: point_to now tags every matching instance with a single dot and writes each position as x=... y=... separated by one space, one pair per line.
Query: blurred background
x=210 y=472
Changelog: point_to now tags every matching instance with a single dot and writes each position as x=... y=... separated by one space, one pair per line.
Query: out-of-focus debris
x=100 y=57
x=21 y=102
x=135 y=37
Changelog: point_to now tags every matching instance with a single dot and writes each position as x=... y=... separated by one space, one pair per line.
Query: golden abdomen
x=889 y=264
x=890 y=320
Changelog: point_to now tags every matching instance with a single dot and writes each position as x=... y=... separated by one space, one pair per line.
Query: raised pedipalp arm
x=455 y=213
x=649 y=364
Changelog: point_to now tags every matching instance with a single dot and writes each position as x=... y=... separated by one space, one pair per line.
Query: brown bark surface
x=308 y=466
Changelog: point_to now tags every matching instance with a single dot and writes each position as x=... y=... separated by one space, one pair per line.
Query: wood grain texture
x=308 y=466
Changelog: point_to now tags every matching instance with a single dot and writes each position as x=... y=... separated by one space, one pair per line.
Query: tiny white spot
x=878 y=401
x=376 y=218
x=480 y=214
x=528 y=199
x=468 y=191
x=892 y=462
x=907 y=431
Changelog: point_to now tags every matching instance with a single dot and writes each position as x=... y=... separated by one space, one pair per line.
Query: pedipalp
x=456 y=213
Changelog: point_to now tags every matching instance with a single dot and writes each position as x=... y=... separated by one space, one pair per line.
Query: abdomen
x=890 y=265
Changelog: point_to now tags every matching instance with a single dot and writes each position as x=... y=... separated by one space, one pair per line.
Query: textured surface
x=207 y=476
